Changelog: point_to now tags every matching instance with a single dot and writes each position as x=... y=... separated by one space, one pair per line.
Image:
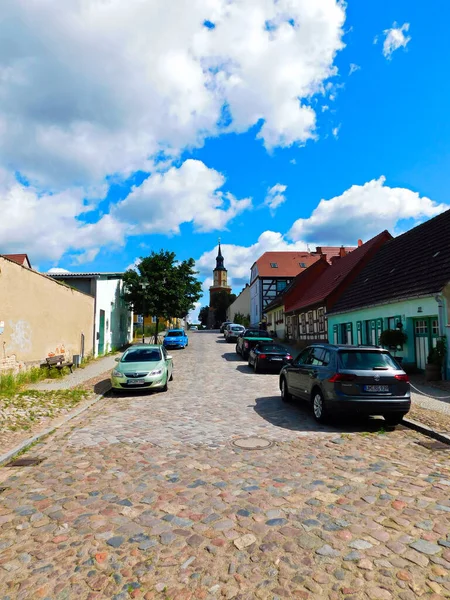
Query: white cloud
x=395 y=38
x=363 y=211
x=275 y=197
x=353 y=68
x=187 y=194
x=335 y=131
x=95 y=88
x=85 y=257
x=57 y=271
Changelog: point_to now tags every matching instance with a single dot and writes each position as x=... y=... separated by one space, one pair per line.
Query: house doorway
x=101 y=333
x=426 y=332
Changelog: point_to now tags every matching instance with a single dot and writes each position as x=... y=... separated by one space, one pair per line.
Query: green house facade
x=406 y=285
x=419 y=318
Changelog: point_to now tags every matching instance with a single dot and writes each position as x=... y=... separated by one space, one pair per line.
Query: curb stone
x=11 y=453
x=425 y=430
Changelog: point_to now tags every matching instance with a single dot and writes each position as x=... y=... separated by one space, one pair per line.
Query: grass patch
x=11 y=383
x=20 y=411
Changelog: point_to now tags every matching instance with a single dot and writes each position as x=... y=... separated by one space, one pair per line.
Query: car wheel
x=256 y=366
x=319 y=407
x=285 y=395
x=171 y=377
x=237 y=349
x=393 y=419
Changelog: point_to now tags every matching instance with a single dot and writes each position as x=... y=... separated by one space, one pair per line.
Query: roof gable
x=338 y=273
x=20 y=259
x=416 y=263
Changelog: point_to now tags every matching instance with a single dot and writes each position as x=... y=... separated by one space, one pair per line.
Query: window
x=366 y=360
x=281 y=285
x=303 y=323
x=142 y=355
x=321 y=317
x=393 y=322
x=421 y=326
x=302 y=265
x=316 y=357
x=434 y=327
x=302 y=358
x=274 y=265
x=310 y=322
x=174 y=333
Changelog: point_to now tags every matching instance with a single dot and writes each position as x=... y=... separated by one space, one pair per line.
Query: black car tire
x=319 y=406
x=171 y=377
x=393 y=419
x=237 y=349
x=286 y=396
x=256 y=366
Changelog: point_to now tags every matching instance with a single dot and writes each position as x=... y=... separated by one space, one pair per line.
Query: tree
x=221 y=301
x=203 y=315
x=162 y=287
x=241 y=319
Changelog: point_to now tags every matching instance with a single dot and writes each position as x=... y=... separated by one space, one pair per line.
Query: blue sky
x=149 y=130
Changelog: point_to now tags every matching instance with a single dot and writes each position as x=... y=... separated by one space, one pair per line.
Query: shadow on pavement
x=245 y=369
x=232 y=357
x=297 y=416
x=102 y=387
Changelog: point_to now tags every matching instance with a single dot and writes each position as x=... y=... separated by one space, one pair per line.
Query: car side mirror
x=117 y=359
x=169 y=357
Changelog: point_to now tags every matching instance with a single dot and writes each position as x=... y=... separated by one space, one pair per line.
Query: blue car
x=176 y=338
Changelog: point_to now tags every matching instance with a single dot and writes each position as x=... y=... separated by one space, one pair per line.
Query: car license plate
x=376 y=388
x=136 y=381
x=276 y=358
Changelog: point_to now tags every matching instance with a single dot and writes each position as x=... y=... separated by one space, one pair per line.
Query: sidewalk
x=79 y=376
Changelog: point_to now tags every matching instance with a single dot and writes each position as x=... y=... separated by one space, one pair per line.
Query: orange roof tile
x=288 y=263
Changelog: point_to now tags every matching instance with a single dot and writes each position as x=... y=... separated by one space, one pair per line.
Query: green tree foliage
x=221 y=301
x=162 y=287
x=203 y=315
x=241 y=319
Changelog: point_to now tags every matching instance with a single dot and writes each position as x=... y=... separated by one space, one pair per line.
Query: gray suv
x=348 y=379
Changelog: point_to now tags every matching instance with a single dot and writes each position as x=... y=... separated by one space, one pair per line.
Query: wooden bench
x=58 y=362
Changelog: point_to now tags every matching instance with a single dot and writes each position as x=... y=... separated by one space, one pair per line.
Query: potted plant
x=393 y=339
x=436 y=358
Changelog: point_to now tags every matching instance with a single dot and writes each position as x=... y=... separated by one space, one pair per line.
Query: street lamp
x=144 y=287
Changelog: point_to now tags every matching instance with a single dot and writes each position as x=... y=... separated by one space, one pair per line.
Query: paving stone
x=327 y=551
x=115 y=541
x=360 y=545
x=426 y=547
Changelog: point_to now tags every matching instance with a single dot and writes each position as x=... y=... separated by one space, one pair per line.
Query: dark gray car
x=348 y=379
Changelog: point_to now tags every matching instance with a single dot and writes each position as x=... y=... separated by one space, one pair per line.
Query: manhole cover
x=252 y=443
x=24 y=462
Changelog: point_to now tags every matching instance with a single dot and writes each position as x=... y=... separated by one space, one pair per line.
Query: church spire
x=219 y=260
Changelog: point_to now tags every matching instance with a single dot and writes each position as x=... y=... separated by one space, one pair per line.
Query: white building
x=113 y=322
x=240 y=305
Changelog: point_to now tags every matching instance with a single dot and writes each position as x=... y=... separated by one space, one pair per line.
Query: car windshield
x=366 y=360
x=271 y=348
x=255 y=333
x=174 y=333
x=142 y=355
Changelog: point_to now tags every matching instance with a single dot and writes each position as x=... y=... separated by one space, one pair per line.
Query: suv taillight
x=403 y=377
x=342 y=377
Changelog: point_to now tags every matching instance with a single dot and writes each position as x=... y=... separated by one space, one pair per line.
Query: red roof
x=330 y=251
x=288 y=263
x=337 y=273
x=20 y=259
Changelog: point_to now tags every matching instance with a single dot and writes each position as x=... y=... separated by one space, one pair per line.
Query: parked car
x=232 y=332
x=268 y=357
x=250 y=338
x=143 y=366
x=194 y=328
x=348 y=379
x=224 y=324
x=176 y=338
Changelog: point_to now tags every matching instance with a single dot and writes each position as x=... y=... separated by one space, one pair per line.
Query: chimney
x=360 y=243
x=342 y=252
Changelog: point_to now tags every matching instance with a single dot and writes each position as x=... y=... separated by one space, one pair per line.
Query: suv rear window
x=255 y=333
x=355 y=360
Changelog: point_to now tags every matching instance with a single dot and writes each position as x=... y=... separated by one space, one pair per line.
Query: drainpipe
x=441 y=325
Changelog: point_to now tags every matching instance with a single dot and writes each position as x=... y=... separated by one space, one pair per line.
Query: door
x=295 y=375
x=426 y=332
x=310 y=372
x=101 y=333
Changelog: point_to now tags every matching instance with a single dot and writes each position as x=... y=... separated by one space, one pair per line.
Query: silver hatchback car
x=348 y=379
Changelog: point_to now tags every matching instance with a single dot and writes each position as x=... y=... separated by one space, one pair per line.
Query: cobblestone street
x=147 y=497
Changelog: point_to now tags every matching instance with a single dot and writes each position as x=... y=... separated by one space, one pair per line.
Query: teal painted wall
x=406 y=310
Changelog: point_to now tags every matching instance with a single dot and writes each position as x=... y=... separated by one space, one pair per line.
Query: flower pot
x=432 y=372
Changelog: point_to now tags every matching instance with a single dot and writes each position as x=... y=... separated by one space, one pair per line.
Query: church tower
x=220 y=278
